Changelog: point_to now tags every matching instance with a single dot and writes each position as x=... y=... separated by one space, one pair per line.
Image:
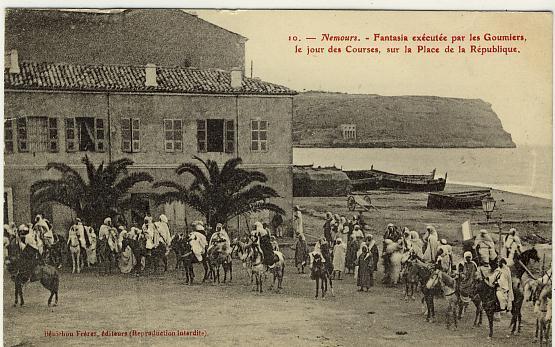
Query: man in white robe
x=164 y=232
x=198 y=241
x=432 y=244
x=485 y=247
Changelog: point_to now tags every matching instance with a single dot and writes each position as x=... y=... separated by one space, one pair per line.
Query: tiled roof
x=116 y=78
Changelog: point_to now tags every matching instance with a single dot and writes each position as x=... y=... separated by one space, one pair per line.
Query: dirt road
x=230 y=314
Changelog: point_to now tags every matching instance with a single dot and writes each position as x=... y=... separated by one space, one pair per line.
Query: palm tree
x=104 y=192
x=220 y=195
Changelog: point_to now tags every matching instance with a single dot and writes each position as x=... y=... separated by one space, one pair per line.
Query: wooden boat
x=374 y=179
x=388 y=175
x=458 y=200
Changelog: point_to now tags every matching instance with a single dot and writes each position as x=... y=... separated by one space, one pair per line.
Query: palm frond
x=254 y=207
x=195 y=171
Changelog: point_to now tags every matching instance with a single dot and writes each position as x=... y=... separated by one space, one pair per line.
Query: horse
x=278 y=270
x=517 y=269
x=26 y=267
x=176 y=245
x=185 y=256
x=488 y=300
x=157 y=254
x=257 y=268
x=516 y=315
x=242 y=250
x=447 y=285
x=423 y=271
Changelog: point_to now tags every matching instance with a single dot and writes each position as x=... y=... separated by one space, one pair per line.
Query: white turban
x=163 y=218
x=107 y=220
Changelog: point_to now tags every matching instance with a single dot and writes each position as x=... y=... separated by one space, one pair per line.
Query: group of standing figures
x=494 y=283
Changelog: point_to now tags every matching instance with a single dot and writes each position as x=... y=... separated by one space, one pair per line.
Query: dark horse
x=25 y=266
x=184 y=253
x=54 y=253
x=524 y=258
x=488 y=300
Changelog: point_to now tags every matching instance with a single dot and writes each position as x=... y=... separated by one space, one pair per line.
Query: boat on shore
x=375 y=179
x=458 y=200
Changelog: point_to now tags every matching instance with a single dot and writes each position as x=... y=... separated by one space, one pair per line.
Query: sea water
x=524 y=170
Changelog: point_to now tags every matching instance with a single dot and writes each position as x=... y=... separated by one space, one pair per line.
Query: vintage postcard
x=284 y=177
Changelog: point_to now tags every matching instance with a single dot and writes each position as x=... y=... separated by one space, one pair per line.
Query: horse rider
x=83 y=237
x=43 y=231
x=164 y=232
x=513 y=243
x=198 y=240
x=220 y=237
x=468 y=273
x=485 y=248
x=446 y=252
x=148 y=232
x=501 y=278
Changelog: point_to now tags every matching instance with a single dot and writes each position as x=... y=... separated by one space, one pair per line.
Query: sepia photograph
x=206 y=177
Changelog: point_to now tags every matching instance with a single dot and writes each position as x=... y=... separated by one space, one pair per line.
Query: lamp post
x=488 y=205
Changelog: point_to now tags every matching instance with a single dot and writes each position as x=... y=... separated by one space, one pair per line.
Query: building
x=157 y=116
x=348 y=131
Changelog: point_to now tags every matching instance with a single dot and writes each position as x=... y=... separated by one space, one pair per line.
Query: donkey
x=257 y=268
x=278 y=270
x=448 y=286
x=321 y=275
x=216 y=258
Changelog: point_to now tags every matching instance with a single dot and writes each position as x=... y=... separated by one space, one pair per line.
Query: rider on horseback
x=513 y=243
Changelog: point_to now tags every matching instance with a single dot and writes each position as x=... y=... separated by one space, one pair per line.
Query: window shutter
x=168 y=131
x=263 y=135
x=8 y=136
x=136 y=135
x=229 y=136
x=22 y=143
x=100 y=134
x=201 y=135
x=53 y=134
x=178 y=135
x=71 y=135
x=126 y=135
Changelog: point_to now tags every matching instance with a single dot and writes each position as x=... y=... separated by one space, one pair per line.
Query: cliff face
x=396 y=121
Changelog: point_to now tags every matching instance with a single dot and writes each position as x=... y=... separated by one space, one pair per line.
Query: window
x=130 y=135
x=8 y=136
x=216 y=135
x=85 y=134
x=259 y=135
x=173 y=129
x=53 y=134
x=37 y=134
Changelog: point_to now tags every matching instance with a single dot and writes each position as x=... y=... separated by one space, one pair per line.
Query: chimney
x=236 y=78
x=14 y=61
x=150 y=73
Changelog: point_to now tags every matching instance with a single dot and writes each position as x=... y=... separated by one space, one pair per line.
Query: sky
x=518 y=86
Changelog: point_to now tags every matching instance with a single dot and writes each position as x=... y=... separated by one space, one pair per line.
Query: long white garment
x=298 y=222
x=198 y=244
x=164 y=231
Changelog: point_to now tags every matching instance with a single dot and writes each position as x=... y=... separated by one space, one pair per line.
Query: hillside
x=396 y=121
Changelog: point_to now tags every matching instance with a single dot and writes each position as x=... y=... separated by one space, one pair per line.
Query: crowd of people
x=349 y=247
